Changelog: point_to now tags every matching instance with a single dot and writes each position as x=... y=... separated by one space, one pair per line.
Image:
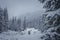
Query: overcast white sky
x=20 y=7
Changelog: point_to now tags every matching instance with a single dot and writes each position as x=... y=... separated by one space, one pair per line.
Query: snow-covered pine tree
x=24 y=24
x=5 y=19
x=1 y=20
x=19 y=24
x=53 y=19
x=51 y=5
x=13 y=24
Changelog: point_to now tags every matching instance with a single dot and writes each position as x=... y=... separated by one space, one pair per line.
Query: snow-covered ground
x=13 y=35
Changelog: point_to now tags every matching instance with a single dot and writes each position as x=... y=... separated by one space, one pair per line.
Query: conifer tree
x=51 y=5
x=5 y=19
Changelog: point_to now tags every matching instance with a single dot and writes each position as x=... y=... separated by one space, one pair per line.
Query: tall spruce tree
x=54 y=21
x=19 y=24
x=1 y=20
x=24 y=23
x=5 y=19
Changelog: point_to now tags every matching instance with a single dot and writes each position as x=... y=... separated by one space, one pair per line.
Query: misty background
x=21 y=7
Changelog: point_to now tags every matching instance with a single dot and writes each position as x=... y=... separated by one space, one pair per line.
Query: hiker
x=29 y=32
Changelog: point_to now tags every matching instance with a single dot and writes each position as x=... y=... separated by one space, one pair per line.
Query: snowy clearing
x=12 y=35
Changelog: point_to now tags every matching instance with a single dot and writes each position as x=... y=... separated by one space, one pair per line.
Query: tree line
x=3 y=19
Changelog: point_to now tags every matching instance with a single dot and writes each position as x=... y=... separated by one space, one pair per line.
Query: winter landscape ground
x=12 y=35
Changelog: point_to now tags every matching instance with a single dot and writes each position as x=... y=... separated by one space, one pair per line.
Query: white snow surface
x=13 y=35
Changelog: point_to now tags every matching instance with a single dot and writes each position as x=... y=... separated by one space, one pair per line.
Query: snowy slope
x=12 y=35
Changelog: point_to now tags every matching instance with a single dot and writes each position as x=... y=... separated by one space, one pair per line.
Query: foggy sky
x=20 y=7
